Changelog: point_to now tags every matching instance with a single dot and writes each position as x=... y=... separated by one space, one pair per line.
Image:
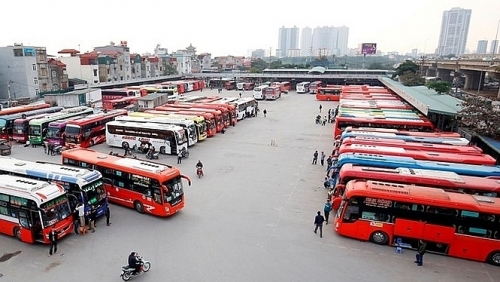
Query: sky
x=223 y=27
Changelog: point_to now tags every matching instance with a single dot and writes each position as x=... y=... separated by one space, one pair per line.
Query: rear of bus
x=258 y=92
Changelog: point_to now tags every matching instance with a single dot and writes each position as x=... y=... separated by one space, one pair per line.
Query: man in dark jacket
x=422 y=246
x=318 y=221
x=133 y=262
x=53 y=237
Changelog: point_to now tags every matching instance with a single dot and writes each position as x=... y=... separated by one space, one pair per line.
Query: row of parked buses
x=397 y=181
x=126 y=98
x=271 y=90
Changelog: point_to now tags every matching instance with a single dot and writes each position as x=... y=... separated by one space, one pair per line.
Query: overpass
x=474 y=71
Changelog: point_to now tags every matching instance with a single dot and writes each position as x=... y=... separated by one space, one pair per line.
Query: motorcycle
x=152 y=155
x=184 y=153
x=58 y=149
x=199 y=172
x=128 y=272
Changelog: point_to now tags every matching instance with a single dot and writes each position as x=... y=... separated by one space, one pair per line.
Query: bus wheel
x=379 y=238
x=17 y=233
x=328 y=99
x=91 y=143
x=162 y=150
x=494 y=258
x=138 y=207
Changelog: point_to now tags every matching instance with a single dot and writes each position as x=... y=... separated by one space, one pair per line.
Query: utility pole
x=270 y=51
x=8 y=92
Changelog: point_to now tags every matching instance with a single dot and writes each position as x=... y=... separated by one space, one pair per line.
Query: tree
x=375 y=66
x=479 y=115
x=406 y=66
x=439 y=86
x=411 y=79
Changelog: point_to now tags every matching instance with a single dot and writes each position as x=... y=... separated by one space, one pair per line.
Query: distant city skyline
x=454 y=32
x=393 y=25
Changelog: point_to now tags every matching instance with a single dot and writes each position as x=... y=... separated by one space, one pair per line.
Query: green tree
x=406 y=66
x=479 y=115
x=439 y=86
x=411 y=79
x=375 y=66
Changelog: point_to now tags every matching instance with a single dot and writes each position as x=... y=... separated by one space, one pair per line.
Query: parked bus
x=231 y=107
x=240 y=86
x=199 y=121
x=342 y=123
x=83 y=185
x=302 y=87
x=248 y=86
x=328 y=93
x=245 y=107
x=458 y=225
x=38 y=127
x=217 y=115
x=216 y=110
x=7 y=121
x=230 y=85
x=167 y=85
x=402 y=132
x=209 y=119
x=313 y=87
x=30 y=209
x=481 y=159
x=408 y=138
x=22 y=109
x=55 y=131
x=188 y=125
x=122 y=103
x=169 y=139
x=21 y=128
x=374 y=104
x=378 y=160
x=118 y=93
x=228 y=111
x=425 y=147
x=90 y=130
x=258 y=92
x=145 y=186
x=285 y=86
x=272 y=92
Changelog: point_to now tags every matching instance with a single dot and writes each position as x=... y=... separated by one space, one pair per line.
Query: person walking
x=240 y=94
x=322 y=159
x=422 y=246
x=126 y=147
x=108 y=215
x=53 y=237
x=327 y=209
x=179 y=157
x=315 y=158
x=318 y=222
x=80 y=208
x=265 y=112
x=92 y=217
x=320 y=107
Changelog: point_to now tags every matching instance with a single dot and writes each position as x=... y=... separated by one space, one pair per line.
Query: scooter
x=199 y=172
x=58 y=149
x=128 y=272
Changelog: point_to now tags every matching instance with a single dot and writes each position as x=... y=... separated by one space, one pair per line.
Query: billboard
x=368 y=48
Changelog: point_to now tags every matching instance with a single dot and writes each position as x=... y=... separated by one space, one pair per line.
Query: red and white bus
x=230 y=85
x=217 y=115
x=481 y=159
x=328 y=93
x=454 y=224
x=313 y=87
x=285 y=86
x=118 y=93
x=426 y=147
x=30 y=209
x=402 y=132
x=122 y=103
x=145 y=186
x=272 y=92
x=90 y=130
x=209 y=119
x=21 y=127
x=374 y=104
x=420 y=125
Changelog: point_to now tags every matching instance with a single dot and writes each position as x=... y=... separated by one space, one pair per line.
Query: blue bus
x=383 y=161
x=408 y=138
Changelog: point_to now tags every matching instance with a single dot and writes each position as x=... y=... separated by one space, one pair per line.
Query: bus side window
x=157 y=195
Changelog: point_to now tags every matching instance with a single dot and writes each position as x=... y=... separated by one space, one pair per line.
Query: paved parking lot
x=249 y=219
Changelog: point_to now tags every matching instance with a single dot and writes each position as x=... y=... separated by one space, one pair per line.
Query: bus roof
x=24 y=108
x=379 y=160
x=156 y=119
x=146 y=124
x=63 y=114
x=36 y=190
x=97 y=116
x=422 y=139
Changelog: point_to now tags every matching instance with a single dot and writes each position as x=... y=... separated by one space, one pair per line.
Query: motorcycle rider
x=134 y=262
x=199 y=166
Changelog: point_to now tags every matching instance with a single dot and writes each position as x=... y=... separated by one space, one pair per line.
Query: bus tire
x=162 y=150
x=379 y=237
x=17 y=233
x=138 y=207
x=328 y=99
x=494 y=258
x=91 y=143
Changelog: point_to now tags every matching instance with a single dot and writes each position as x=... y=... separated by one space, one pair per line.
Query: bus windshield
x=175 y=190
x=3 y=122
x=35 y=130
x=53 y=132
x=18 y=127
x=72 y=130
x=55 y=210
x=181 y=137
x=95 y=192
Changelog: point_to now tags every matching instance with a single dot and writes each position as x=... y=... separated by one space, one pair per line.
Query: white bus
x=302 y=87
x=258 y=92
x=30 y=209
x=170 y=139
x=187 y=124
x=245 y=107
x=240 y=86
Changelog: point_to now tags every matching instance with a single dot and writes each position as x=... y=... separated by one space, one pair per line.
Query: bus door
x=173 y=144
x=25 y=231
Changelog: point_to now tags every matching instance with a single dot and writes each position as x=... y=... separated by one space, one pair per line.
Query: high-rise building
x=306 y=42
x=329 y=40
x=258 y=54
x=288 y=39
x=482 y=45
x=493 y=46
x=340 y=40
x=454 y=31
